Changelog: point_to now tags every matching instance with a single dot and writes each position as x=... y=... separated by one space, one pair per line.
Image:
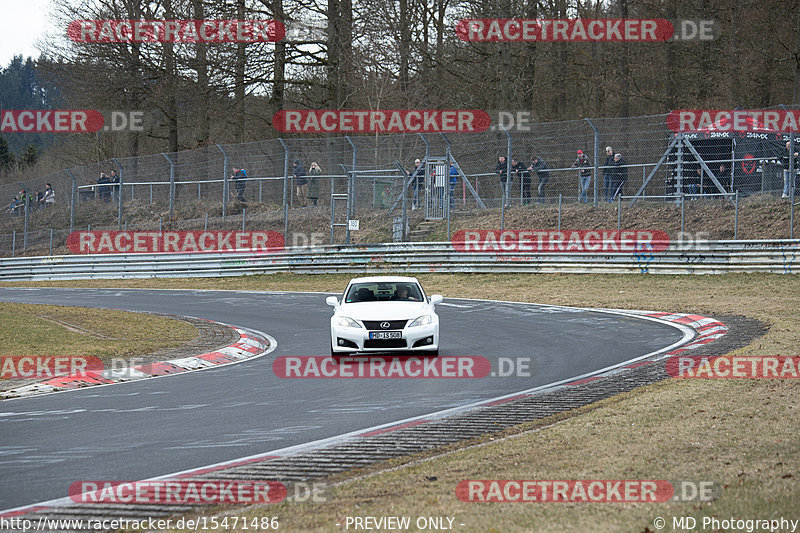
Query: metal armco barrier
x=711 y=257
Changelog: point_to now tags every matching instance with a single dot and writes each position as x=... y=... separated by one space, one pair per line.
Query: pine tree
x=6 y=156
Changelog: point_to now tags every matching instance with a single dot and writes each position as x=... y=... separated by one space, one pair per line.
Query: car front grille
x=385 y=343
x=375 y=325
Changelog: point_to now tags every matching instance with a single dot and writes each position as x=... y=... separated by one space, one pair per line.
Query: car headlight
x=423 y=320
x=347 y=322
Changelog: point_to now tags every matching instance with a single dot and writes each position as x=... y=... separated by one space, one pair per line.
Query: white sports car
x=384 y=314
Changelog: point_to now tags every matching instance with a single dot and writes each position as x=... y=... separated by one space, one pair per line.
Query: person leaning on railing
x=519 y=170
x=619 y=176
x=313 y=183
x=501 y=170
x=301 y=182
x=539 y=166
x=584 y=176
x=608 y=174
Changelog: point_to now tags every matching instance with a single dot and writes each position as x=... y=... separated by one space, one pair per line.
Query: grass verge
x=42 y=330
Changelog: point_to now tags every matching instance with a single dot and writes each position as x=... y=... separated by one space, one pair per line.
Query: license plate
x=386 y=335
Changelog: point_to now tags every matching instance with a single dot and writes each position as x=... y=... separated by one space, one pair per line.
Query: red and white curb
x=251 y=344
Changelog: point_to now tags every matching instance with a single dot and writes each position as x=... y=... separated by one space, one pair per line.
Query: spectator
x=453 y=183
x=49 y=196
x=39 y=200
x=539 y=166
x=693 y=177
x=786 y=180
x=418 y=175
x=24 y=201
x=18 y=203
x=301 y=182
x=104 y=189
x=521 y=171
x=502 y=170
x=239 y=178
x=313 y=182
x=115 y=184
x=584 y=176
x=608 y=174
x=620 y=175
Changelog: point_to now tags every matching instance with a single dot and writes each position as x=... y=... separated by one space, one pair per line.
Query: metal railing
x=711 y=257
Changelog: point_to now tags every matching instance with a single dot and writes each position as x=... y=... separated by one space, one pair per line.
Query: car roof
x=385 y=279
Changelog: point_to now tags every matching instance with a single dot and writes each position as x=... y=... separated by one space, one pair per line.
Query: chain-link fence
x=375 y=175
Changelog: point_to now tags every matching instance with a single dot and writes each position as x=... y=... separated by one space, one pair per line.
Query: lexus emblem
x=385 y=325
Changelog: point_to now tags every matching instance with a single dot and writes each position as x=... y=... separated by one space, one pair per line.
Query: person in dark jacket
x=114 y=183
x=539 y=166
x=104 y=190
x=608 y=174
x=301 y=182
x=584 y=176
x=418 y=183
x=620 y=176
x=239 y=178
x=519 y=170
x=501 y=169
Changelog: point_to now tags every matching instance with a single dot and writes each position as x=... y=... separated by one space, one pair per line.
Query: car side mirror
x=436 y=299
x=332 y=301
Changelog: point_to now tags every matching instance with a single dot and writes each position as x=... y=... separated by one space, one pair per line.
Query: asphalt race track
x=152 y=427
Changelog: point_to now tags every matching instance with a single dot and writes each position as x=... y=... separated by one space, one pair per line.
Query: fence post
x=51 y=241
x=683 y=204
x=72 y=200
x=285 y=190
x=736 y=216
x=596 y=158
x=792 y=178
x=619 y=212
x=559 y=212
x=505 y=191
x=25 y=235
x=351 y=204
x=205 y=225
x=13 y=242
x=171 y=186
x=244 y=217
x=424 y=172
x=119 y=194
x=679 y=168
x=224 y=183
x=448 y=198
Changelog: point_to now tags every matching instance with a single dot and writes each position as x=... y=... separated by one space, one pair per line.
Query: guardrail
x=711 y=257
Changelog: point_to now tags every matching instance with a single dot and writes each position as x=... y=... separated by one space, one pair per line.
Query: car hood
x=385 y=310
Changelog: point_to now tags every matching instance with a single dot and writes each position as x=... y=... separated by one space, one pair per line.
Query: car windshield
x=383 y=291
